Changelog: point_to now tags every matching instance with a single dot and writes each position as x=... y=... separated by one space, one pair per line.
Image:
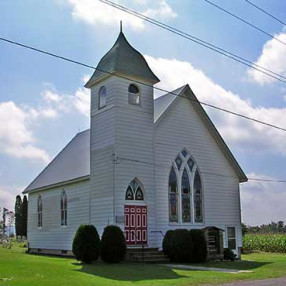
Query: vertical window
x=173 y=197
x=185 y=194
x=40 y=212
x=102 y=97
x=231 y=238
x=133 y=94
x=63 y=208
x=198 y=205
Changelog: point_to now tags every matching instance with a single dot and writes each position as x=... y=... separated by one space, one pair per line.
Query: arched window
x=133 y=94
x=40 y=212
x=185 y=190
x=198 y=198
x=102 y=97
x=185 y=194
x=64 y=212
x=134 y=192
x=173 y=196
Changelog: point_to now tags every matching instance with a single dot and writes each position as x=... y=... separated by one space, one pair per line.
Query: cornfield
x=267 y=243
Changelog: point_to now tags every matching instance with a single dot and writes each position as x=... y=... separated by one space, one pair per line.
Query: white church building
x=145 y=165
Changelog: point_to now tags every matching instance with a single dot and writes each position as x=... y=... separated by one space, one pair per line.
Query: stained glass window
x=179 y=162
x=64 y=208
x=198 y=198
x=184 y=153
x=134 y=192
x=173 y=197
x=40 y=212
x=185 y=194
x=190 y=164
x=139 y=194
x=129 y=194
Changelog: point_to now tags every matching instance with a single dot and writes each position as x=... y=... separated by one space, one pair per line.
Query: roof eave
x=59 y=184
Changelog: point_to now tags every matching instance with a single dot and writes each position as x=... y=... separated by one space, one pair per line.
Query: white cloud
x=238 y=132
x=18 y=122
x=273 y=57
x=95 y=12
x=262 y=202
x=8 y=196
x=16 y=137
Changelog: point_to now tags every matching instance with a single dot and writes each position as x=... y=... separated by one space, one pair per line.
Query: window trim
x=134 y=191
x=130 y=94
x=99 y=97
x=232 y=238
x=191 y=177
x=40 y=212
x=64 y=208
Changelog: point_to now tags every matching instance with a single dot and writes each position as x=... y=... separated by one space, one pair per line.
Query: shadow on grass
x=129 y=271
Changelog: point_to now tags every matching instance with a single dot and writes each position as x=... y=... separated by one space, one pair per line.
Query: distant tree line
x=21 y=216
x=271 y=228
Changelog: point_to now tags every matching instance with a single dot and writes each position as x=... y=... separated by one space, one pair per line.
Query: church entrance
x=135 y=215
x=135 y=224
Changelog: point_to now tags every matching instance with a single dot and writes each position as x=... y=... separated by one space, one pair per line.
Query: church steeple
x=123 y=59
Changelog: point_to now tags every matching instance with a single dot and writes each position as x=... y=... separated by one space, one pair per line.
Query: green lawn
x=18 y=268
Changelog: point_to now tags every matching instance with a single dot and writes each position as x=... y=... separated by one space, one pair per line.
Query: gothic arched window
x=64 y=210
x=185 y=194
x=185 y=190
x=134 y=192
x=133 y=94
x=173 y=196
x=198 y=201
x=102 y=97
x=40 y=211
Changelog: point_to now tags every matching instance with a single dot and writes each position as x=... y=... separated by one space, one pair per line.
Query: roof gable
x=168 y=100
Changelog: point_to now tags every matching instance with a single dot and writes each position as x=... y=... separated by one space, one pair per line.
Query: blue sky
x=43 y=103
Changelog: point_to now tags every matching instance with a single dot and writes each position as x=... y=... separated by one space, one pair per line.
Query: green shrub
x=86 y=244
x=181 y=249
x=200 y=250
x=113 y=245
x=228 y=254
x=23 y=244
x=267 y=243
x=167 y=242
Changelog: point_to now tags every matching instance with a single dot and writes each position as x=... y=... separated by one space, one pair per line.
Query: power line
x=199 y=41
x=265 y=12
x=245 y=22
x=207 y=173
x=140 y=82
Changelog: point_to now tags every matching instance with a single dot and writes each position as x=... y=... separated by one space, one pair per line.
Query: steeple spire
x=120 y=26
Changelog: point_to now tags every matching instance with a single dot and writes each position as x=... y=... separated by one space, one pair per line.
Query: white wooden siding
x=52 y=235
x=182 y=128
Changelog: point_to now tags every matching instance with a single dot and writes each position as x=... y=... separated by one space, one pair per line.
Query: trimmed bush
x=167 y=242
x=181 y=249
x=86 y=244
x=228 y=254
x=113 y=245
x=200 y=250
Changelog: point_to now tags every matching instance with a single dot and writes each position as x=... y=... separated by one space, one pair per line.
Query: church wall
x=182 y=128
x=52 y=235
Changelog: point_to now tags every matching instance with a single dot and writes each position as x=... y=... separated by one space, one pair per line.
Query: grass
x=18 y=268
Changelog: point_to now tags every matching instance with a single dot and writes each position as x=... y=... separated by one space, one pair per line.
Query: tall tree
x=24 y=216
x=18 y=216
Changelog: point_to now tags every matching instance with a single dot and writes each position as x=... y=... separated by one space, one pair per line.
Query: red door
x=135 y=224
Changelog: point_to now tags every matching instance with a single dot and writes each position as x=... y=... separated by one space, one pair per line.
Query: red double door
x=135 y=218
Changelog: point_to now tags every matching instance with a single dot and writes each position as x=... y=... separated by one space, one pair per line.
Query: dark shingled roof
x=123 y=58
